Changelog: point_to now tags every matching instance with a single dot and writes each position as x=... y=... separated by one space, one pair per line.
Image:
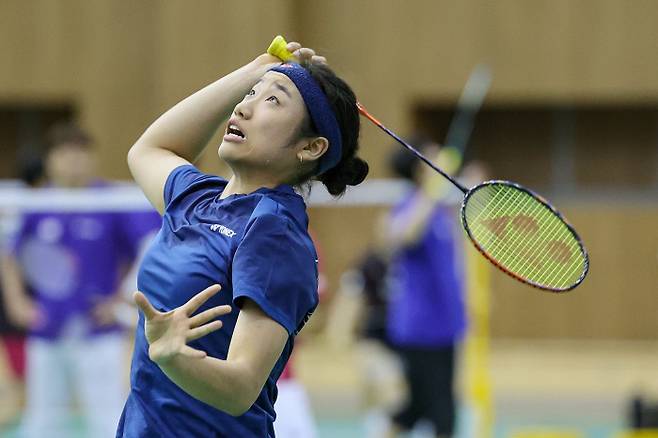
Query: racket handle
x=278 y=48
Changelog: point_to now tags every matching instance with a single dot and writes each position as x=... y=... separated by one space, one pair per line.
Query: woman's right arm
x=180 y=134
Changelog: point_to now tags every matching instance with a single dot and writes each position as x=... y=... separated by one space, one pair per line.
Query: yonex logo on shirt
x=222 y=230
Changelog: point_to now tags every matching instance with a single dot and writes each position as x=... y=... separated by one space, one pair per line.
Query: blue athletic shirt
x=255 y=246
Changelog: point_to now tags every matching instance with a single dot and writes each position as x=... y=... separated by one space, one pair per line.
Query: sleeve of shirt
x=273 y=267
x=180 y=179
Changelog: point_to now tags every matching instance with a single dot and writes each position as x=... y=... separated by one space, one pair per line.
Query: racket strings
x=526 y=263
x=503 y=245
x=531 y=209
x=557 y=274
x=533 y=267
x=483 y=203
x=524 y=236
x=571 y=267
x=551 y=230
x=534 y=247
x=485 y=208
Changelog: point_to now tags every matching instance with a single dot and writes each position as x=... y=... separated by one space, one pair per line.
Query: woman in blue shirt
x=289 y=124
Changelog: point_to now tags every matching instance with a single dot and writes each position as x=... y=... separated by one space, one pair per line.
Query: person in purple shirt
x=62 y=274
x=426 y=314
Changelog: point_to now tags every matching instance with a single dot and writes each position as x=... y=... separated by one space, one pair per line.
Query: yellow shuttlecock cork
x=278 y=48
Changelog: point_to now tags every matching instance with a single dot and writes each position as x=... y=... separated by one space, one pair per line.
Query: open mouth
x=234 y=133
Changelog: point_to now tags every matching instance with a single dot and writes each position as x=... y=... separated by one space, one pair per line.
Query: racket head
x=524 y=236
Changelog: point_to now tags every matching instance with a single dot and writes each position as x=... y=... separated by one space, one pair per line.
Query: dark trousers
x=429 y=373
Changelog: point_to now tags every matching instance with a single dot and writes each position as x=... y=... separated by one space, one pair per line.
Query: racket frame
x=544 y=202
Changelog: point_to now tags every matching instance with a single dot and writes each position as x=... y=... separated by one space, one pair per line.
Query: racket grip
x=278 y=48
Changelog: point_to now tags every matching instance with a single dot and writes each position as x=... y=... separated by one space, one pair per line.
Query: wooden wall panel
x=122 y=63
x=396 y=54
x=40 y=42
x=116 y=92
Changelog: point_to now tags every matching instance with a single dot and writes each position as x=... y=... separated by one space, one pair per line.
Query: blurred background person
x=426 y=313
x=357 y=318
x=61 y=275
x=11 y=335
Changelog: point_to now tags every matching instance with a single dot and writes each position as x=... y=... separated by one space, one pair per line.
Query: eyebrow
x=279 y=86
x=284 y=89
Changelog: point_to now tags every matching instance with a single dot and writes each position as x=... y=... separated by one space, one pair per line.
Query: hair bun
x=349 y=172
x=356 y=171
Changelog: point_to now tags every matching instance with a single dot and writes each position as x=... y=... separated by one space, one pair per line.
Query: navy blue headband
x=318 y=107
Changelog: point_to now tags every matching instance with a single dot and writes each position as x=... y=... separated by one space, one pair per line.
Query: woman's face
x=262 y=134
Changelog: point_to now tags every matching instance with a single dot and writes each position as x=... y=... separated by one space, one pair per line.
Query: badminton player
x=237 y=249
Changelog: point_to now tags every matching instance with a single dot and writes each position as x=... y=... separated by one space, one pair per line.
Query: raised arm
x=180 y=134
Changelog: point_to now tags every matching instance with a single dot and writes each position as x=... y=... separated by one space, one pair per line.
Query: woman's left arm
x=230 y=385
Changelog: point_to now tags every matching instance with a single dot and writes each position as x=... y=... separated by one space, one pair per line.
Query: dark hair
x=30 y=170
x=67 y=132
x=350 y=170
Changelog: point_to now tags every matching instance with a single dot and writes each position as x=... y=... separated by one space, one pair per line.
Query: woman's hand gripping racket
x=516 y=229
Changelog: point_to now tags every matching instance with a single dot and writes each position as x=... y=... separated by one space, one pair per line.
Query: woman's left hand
x=169 y=332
